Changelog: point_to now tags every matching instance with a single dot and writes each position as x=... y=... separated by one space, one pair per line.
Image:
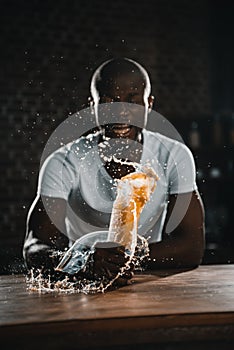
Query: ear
x=150 y=102
x=90 y=101
x=91 y=104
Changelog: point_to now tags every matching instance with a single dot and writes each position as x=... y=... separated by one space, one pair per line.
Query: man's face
x=125 y=118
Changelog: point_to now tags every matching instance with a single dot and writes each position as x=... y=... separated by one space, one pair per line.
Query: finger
x=120 y=250
x=110 y=256
x=111 y=246
x=115 y=268
x=115 y=259
x=104 y=265
x=106 y=274
x=127 y=275
x=120 y=282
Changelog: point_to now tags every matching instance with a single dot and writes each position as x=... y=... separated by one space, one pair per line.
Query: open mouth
x=121 y=129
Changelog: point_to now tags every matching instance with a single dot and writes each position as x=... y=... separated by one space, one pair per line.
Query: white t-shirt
x=76 y=173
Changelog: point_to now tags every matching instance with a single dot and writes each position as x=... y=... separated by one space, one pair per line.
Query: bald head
x=125 y=81
x=117 y=76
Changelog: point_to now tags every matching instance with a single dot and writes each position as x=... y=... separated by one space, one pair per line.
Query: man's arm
x=184 y=245
x=44 y=237
x=44 y=232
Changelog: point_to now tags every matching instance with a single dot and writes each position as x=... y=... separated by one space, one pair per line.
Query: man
x=76 y=184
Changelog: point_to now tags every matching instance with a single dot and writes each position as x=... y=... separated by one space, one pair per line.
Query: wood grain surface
x=157 y=307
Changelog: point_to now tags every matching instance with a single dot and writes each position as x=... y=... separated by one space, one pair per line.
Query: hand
x=106 y=262
x=39 y=256
x=42 y=259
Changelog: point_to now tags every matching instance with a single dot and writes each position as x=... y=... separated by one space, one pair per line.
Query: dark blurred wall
x=49 y=50
x=222 y=55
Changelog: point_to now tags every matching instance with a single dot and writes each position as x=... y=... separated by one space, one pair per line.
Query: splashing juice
x=133 y=192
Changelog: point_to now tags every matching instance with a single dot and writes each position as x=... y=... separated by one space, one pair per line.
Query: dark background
x=49 y=50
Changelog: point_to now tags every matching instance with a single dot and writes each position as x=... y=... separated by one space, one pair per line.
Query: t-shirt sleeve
x=56 y=177
x=182 y=174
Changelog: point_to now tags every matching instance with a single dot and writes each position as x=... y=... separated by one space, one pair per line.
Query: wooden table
x=183 y=309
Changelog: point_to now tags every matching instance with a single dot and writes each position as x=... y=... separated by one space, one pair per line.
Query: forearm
x=174 y=253
x=38 y=254
x=46 y=237
x=184 y=246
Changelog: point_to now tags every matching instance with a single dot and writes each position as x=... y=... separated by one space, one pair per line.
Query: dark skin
x=183 y=247
x=107 y=260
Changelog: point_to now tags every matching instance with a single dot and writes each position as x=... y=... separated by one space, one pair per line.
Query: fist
x=107 y=261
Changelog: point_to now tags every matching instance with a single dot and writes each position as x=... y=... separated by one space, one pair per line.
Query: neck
x=139 y=136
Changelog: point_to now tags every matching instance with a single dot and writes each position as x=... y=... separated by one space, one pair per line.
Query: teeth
x=122 y=126
x=121 y=130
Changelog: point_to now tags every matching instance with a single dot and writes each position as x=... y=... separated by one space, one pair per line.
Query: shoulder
x=153 y=136
x=169 y=151
x=72 y=152
x=161 y=141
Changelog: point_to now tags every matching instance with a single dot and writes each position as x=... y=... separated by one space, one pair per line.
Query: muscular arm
x=44 y=236
x=184 y=245
x=44 y=232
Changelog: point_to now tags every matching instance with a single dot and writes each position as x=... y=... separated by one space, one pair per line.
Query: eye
x=135 y=98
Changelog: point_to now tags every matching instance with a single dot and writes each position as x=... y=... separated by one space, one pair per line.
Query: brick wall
x=49 y=50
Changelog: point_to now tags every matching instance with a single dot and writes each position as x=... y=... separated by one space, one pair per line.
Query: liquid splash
x=37 y=282
x=133 y=191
